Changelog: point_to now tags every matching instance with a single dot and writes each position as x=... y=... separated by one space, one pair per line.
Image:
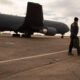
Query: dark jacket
x=74 y=29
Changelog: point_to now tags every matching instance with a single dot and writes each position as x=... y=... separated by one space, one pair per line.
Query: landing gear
x=62 y=36
x=16 y=35
x=28 y=35
x=25 y=35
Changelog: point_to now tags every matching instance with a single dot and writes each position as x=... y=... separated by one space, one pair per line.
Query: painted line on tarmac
x=31 y=57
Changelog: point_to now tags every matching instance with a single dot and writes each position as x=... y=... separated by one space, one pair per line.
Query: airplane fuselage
x=12 y=23
x=32 y=22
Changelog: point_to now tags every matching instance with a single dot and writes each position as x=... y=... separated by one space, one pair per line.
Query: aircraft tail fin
x=34 y=17
x=35 y=14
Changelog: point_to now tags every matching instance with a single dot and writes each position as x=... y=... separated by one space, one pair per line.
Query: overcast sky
x=59 y=10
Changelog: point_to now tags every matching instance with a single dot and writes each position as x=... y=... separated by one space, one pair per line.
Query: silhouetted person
x=74 y=32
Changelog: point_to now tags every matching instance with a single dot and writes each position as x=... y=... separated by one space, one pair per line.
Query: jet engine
x=49 y=31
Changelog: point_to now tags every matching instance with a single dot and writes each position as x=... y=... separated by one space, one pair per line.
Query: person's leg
x=78 y=48
x=70 y=47
x=78 y=51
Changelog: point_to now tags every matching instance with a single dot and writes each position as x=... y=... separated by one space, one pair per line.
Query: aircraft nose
x=66 y=27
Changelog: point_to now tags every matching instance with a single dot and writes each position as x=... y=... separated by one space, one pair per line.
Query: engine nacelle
x=49 y=31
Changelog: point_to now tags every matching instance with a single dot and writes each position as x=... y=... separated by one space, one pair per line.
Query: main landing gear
x=16 y=35
x=25 y=35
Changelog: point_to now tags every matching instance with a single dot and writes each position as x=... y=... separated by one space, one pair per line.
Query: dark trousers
x=72 y=45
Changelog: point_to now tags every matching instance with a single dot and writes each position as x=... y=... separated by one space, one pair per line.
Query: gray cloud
x=65 y=7
x=62 y=10
x=6 y=2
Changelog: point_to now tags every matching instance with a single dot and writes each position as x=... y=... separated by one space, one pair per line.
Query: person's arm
x=76 y=29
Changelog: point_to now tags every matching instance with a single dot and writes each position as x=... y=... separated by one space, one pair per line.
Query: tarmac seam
x=30 y=57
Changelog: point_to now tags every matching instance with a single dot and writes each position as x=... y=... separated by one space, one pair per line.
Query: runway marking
x=30 y=57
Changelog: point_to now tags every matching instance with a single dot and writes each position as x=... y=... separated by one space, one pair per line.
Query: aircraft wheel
x=62 y=36
x=16 y=35
x=26 y=36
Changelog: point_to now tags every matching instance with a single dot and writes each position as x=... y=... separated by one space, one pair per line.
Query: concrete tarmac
x=38 y=58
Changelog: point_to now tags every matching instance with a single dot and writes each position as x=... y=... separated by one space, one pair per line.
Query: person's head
x=76 y=19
